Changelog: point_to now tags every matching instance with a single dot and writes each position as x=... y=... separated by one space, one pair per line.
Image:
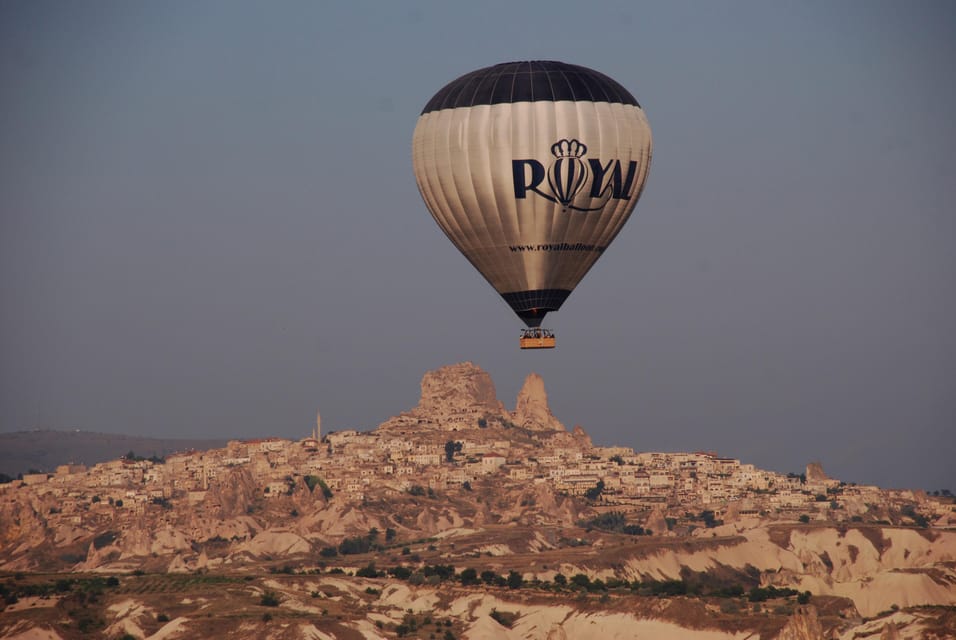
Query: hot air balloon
x=531 y=169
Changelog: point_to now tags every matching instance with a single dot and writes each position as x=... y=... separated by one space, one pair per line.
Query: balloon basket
x=536 y=338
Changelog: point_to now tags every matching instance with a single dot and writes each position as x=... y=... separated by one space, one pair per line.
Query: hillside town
x=457 y=435
x=488 y=519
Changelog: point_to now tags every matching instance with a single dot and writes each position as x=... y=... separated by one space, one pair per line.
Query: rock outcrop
x=531 y=410
x=815 y=473
x=453 y=397
x=802 y=625
x=458 y=388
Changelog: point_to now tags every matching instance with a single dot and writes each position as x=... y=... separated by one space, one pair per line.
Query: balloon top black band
x=529 y=82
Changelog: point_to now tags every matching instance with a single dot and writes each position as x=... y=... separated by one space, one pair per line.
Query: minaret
x=318 y=427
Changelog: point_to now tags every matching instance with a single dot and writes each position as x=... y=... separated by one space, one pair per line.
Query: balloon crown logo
x=573 y=182
x=568 y=149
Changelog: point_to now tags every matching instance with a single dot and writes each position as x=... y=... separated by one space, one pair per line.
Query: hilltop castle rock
x=458 y=388
x=463 y=396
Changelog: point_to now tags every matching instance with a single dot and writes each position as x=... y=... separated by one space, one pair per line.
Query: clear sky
x=209 y=225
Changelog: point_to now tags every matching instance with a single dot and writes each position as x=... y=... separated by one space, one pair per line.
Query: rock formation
x=458 y=388
x=802 y=625
x=453 y=396
x=815 y=473
x=531 y=410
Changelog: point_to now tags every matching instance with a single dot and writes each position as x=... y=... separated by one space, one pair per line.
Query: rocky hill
x=461 y=518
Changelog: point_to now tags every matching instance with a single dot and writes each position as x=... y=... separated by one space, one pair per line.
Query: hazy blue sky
x=209 y=225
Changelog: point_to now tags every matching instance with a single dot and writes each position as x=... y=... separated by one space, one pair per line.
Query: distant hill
x=21 y=451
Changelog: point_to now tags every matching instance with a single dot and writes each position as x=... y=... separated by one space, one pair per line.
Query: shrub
x=162 y=618
x=315 y=481
x=358 y=544
x=595 y=492
x=400 y=572
x=515 y=580
x=581 y=580
x=269 y=599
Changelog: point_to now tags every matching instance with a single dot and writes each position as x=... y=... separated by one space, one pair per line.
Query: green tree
x=595 y=492
x=515 y=580
x=451 y=448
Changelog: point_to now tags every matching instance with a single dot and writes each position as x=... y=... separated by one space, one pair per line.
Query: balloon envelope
x=531 y=169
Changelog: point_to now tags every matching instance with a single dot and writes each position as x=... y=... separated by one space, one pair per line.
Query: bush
x=399 y=572
x=515 y=580
x=269 y=599
x=805 y=519
x=581 y=580
x=595 y=492
x=358 y=544
x=162 y=618
x=443 y=571
x=416 y=490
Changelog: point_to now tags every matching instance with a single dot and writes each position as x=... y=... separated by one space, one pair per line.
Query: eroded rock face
x=802 y=625
x=458 y=389
x=815 y=472
x=531 y=410
x=234 y=494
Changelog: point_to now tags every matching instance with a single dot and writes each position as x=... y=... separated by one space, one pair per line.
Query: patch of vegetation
x=595 y=492
x=315 y=481
x=270 y=599
x=368 y=571
x=762 y=594
x=616 y=522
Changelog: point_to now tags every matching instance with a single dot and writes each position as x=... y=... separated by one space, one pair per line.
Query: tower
x=318 y=427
